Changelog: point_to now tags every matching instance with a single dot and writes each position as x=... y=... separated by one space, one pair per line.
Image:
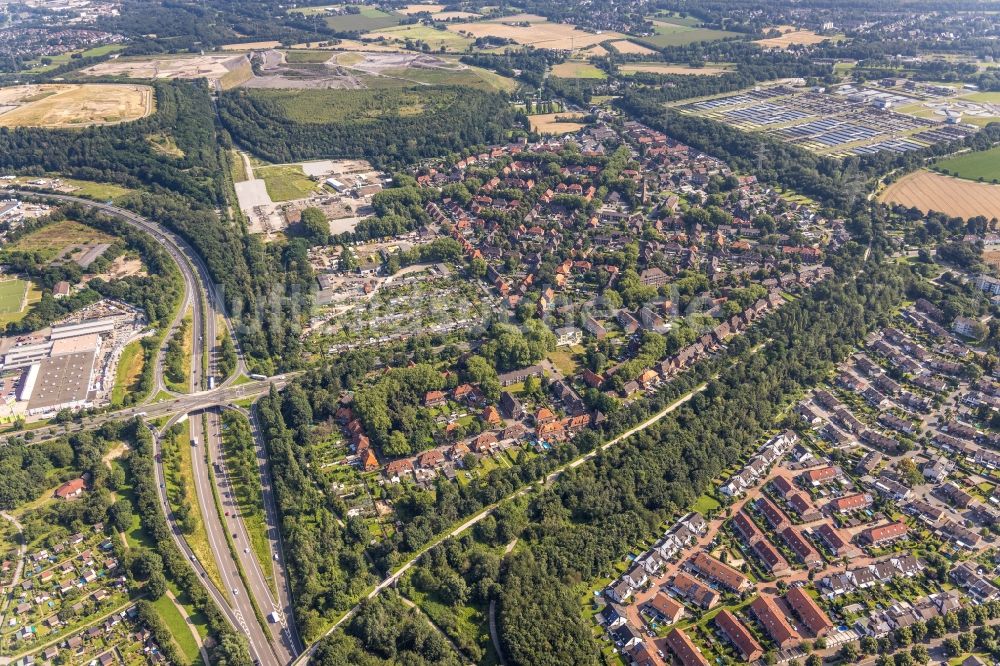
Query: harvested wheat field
x=556 y=123
x=791 y=35
x=928 y=191
x=73 y=105
x=631 y=48
x=417 y=8
x=530 y=29
x=664 y=68
x=251 y=46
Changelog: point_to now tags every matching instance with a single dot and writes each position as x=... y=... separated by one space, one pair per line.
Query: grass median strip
x=232 y=544
x=182 y=494
x=241 y=463
x=179 y=629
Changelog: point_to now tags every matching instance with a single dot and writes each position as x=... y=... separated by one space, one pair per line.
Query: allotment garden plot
x=847 y=121
x=414 y=304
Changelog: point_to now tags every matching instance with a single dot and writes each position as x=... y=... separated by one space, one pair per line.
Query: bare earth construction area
x=226 y=70
x=73 y=105
x=931 y=191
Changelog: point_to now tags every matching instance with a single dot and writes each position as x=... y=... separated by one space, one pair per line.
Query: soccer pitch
x=12 y=293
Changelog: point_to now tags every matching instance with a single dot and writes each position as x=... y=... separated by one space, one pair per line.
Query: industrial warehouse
x=70 y=365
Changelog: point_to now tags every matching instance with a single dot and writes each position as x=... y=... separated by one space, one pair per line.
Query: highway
x=271 y=644
x=181 y=404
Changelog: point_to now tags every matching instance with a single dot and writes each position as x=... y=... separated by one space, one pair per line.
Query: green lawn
x=179 y=629
x=128 y=372
x=705 y=504
x=980 y=165
x=286 y=182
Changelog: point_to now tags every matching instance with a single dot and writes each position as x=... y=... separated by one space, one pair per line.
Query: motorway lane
x=274 y=531
x=235 y=593
x=203 y=294
x=283 y=642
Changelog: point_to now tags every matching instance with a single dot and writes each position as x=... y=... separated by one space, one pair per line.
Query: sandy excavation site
x=225 y=70
x=73 y=105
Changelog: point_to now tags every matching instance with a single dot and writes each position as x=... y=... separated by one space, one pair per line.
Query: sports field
x=981 y=165
x=13 y=293
x=953 y=196
x=73 y=105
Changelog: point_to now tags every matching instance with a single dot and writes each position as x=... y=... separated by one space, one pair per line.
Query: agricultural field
x=983 y=165
x=628 y=47
x=286 y=182
x=556 y=123
x=529 y=29
x=676 y=34
x=575 y=69
x=953 y=196
x=435 y=39
x=73 y=105
x=437 y=12
x=370 y=18
x=791 y=36
x=666 y=68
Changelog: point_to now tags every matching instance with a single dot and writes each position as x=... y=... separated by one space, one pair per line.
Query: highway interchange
x=271 y=633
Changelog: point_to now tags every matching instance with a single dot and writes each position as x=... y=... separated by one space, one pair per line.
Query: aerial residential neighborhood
x=537 y=333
